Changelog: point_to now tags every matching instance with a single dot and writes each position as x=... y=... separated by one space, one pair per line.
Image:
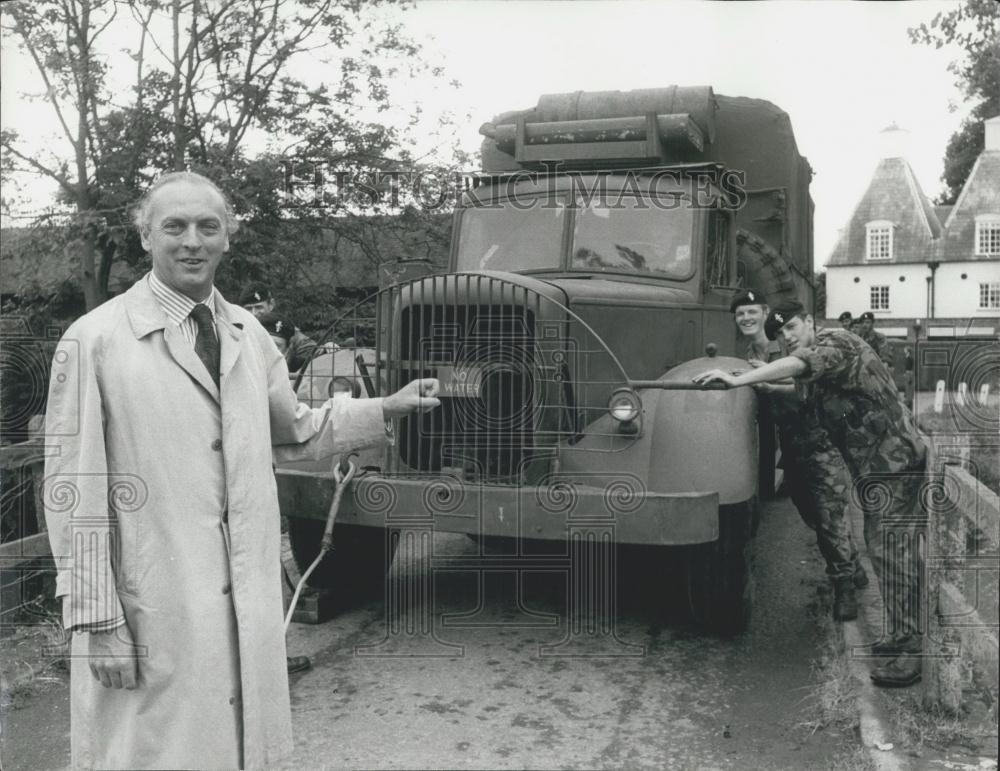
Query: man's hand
x=416 y=396
x=773 y=371
x=112 y=658
x=715 y=375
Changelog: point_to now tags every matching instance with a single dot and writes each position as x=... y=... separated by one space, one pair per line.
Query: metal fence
x=25 y=562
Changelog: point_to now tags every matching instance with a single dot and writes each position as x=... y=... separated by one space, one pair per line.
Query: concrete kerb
x=874 y=722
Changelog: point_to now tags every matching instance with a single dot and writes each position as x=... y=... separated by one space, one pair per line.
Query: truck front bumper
x=544 y=512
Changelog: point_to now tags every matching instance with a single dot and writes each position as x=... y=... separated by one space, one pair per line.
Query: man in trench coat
x=162 y=507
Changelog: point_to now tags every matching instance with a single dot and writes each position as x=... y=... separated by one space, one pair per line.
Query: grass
x=35 y=655
x=832 y=703
x=833 y=706
x=921 y=729
x=20 y=693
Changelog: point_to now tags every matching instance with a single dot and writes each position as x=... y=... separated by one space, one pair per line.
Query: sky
x=842 y=70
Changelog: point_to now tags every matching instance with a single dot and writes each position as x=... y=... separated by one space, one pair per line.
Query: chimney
x=894 y=142
x=992 y=133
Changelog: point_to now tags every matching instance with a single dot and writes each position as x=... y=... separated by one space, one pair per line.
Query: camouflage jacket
x=879 y=344
x=857 y=402
x=300 y=348
x=799 y=430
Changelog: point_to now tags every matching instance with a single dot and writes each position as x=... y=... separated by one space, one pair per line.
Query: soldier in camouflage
x=866 y=331
x=857 y=402
x=299 y=350
x=816 y=478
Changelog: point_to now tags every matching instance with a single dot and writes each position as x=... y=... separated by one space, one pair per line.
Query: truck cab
x=591 y=269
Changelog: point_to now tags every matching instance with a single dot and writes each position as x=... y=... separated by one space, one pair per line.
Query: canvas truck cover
x=694 y=125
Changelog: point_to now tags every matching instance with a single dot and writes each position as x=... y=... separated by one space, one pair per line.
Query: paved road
x=491 y=692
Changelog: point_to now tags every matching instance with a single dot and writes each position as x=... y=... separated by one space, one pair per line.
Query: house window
x=988 y=236
x=879 y=298
x=989 y=296
x=879 y=240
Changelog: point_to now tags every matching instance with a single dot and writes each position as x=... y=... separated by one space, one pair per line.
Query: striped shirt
x=178 y=307
x=100 y=626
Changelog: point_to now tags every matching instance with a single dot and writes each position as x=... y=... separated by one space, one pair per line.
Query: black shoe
x=887 y=647
x=297 y=663
x=845 y=604
x=860 y=577
x=901 y=672
x=894 y=646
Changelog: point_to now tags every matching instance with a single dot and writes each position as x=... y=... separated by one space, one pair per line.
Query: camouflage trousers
x=896 y=537
x=819 y=483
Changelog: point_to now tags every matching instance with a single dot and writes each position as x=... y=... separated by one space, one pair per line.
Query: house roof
x=980 y=195
x=893 y=194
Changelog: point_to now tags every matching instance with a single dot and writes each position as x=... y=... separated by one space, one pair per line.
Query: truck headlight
x=624 y=405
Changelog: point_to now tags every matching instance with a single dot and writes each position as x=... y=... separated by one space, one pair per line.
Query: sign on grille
x=461 y=381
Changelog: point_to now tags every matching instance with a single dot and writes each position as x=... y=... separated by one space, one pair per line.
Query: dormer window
x=988 y=235
x=879 y=240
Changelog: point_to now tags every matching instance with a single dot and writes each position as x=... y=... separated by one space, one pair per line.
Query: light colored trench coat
x=162 y=507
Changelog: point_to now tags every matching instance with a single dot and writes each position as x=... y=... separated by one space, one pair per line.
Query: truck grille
x=484 y=355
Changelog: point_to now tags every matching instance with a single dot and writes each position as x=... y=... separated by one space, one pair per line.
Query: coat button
x=227 y=589
x=217 y=445
x=232 y=699
x=225 y=516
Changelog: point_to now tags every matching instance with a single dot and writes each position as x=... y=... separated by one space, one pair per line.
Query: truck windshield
x=502 y=237
x=632 y=235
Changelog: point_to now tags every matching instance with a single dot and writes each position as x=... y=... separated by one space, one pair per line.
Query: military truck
x=592 y=264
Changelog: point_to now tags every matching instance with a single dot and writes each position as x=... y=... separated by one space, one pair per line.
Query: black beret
x=867 y=316
x=277 y=326
x=747 y=297
x=845 y=316
x=256 y=293
x=780 y=315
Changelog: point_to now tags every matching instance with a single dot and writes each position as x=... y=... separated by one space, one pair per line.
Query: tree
x=974 y=26
x=819 y=299
x=209 y=77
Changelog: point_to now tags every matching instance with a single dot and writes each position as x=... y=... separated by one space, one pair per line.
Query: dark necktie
x=206 y=345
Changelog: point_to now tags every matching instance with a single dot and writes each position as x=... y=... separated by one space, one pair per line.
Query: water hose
x=341 y=478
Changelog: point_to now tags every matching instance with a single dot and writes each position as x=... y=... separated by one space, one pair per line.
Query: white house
x=916 y=265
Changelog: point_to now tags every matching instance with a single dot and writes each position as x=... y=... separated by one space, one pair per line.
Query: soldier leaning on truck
x=858 y=404
x=816 y=478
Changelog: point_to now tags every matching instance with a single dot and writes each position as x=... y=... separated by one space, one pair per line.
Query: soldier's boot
x=860 y=577
x=845 y=604
x=901 y=672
